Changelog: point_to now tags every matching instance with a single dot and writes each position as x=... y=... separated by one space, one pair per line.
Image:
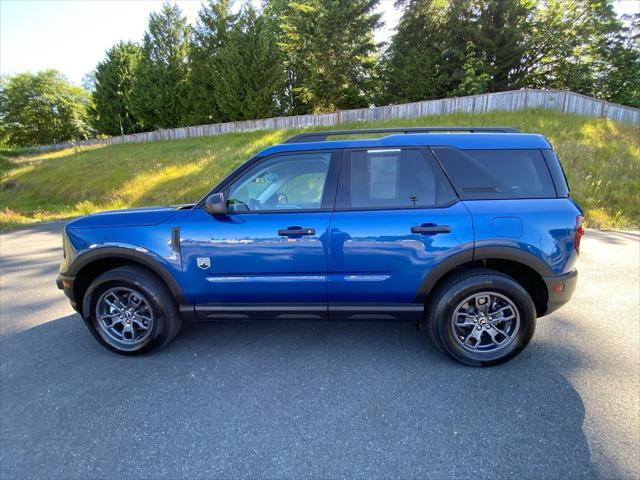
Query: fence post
x=564 y=103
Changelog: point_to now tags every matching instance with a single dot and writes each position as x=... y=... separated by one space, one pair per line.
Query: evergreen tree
x=112 y=90
x=248 y=75
x=159 y=98
x=330 y=54
x=210 y=33
x=416 y=62
x=464 y=46
x=498 y=32
x=450 y=48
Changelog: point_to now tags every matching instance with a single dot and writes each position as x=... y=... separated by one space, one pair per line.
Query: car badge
x=203 y=262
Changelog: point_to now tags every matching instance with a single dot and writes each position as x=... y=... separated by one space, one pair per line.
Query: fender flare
x=480 y=253
x=136 y=254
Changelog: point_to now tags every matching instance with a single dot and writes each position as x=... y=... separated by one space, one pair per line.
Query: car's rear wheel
x=481 y=317
x=129 y=310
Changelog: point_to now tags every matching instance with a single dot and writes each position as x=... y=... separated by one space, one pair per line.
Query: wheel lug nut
x=479 y=327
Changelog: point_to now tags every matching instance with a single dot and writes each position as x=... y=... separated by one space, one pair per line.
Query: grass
x=601 y=159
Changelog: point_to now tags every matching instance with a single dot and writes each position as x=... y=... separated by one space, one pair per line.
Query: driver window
x=287 y=182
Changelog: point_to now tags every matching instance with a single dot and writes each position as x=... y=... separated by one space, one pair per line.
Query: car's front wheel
x=481 y=317
x=129 y=310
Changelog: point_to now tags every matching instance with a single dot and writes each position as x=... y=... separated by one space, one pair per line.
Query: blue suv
x=469 y=232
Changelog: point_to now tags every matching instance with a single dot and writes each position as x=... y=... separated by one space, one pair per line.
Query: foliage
x=474 y=79
x=601 y=159
x=113 y=84
x=308 y=56
x=329 y=52
x=618 y=72
x=249 y=74
x=214 y=22
x=160 y=86
x=42 y=108
x=576 y=45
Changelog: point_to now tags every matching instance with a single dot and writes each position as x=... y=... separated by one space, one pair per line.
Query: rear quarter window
x=497 y=174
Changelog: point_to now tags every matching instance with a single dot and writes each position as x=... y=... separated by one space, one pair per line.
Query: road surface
x=286 y=399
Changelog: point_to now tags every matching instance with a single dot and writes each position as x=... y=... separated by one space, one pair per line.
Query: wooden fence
x=512 y=101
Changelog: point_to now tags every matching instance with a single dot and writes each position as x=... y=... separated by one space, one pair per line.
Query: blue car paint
x=374 y=257
x=251 y=262
x=548 y=231
x=153 y=242
x=135 y=217
x=354 y=257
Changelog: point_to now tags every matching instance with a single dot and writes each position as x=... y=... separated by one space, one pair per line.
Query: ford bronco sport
x=469 y=232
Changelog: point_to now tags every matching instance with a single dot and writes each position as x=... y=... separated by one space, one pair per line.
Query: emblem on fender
x=203 y=262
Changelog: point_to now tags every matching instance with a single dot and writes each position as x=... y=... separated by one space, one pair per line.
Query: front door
x=268 y=257
x=396 y=217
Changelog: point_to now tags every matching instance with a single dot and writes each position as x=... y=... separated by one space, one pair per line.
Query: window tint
x=288 y=182
x=389 y=178
x=496 y=174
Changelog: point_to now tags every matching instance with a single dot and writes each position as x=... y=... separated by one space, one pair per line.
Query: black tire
x=448 y=297
x=146 y=287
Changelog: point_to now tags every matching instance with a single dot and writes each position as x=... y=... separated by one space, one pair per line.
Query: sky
x=73 y=35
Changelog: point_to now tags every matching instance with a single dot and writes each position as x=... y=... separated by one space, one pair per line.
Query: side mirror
x=216 y=205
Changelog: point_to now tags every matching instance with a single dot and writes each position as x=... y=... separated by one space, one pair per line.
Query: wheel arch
x=89 y=265
x=523 y=267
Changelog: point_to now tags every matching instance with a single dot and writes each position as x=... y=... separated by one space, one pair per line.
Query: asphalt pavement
x=287 y=399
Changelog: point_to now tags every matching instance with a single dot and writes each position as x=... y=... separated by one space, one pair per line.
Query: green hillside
x=601 y=159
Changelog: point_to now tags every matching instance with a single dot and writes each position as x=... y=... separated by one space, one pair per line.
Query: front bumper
x=65 y=283
x=560 y=288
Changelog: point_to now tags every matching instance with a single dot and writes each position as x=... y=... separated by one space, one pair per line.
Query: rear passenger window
x=393 y=178
x=497 y=174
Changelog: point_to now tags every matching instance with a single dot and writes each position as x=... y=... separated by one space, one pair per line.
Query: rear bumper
x=560 y=288
x=65 y=283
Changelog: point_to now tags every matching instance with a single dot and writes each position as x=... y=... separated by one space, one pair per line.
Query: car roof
x=465 y=141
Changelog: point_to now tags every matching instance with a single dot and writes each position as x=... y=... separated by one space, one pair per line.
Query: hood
x=133 y=217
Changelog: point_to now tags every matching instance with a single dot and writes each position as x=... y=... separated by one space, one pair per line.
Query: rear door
x=396 y=218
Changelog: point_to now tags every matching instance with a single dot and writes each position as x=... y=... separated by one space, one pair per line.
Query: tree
x=414 y=65
x=210 y=33
x=330 y=55
x=249 y=74
x=42 y=108
x=498 y=31
x=472 y=46
x=619 y=75
x=474 y=80
x=160 y=87
x=112 y=92
x=449 y=48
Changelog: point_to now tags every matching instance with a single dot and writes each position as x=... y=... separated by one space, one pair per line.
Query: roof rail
x=322 y=136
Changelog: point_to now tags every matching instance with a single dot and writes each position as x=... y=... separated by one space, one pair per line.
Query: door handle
x=293 y=231
x=431 y=228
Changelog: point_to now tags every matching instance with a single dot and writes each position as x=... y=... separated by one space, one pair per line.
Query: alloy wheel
x=125 y=316
x=485 y=322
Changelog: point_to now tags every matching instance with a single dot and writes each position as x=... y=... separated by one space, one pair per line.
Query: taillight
x=579 y=232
